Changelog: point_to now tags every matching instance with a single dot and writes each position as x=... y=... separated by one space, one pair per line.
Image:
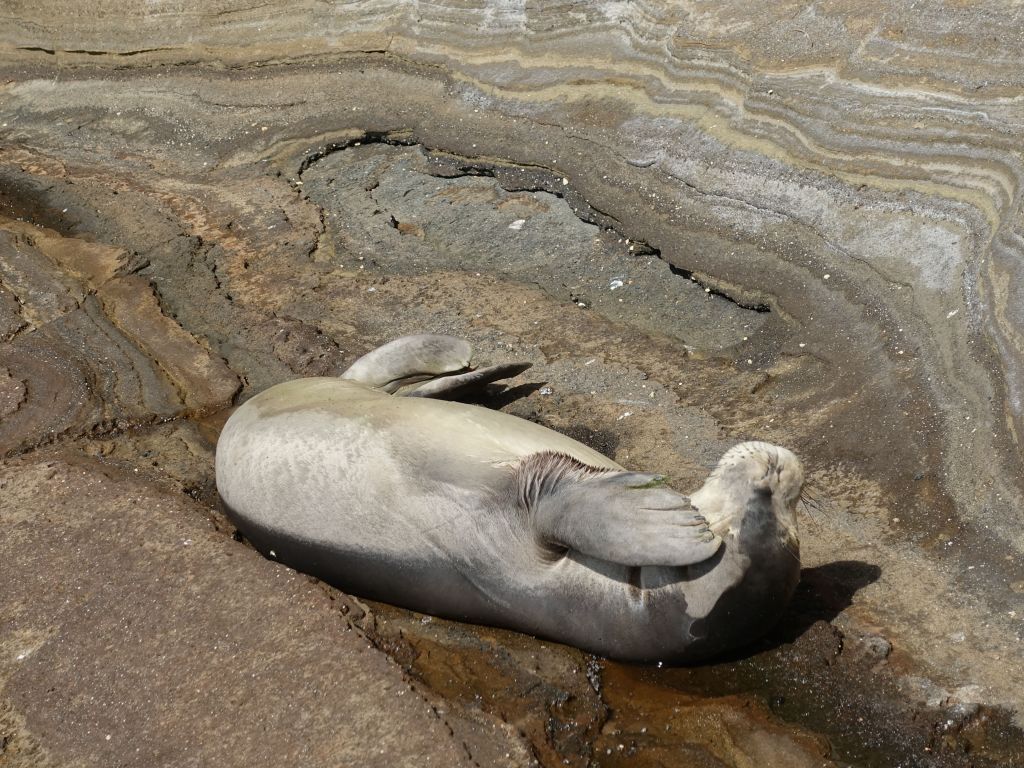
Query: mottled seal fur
x=471 y=514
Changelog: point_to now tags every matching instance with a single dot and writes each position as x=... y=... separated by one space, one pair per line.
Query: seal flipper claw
x=458 y=384
x=619 y=517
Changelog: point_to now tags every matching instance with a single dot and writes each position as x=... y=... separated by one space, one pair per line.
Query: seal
x=471 y=514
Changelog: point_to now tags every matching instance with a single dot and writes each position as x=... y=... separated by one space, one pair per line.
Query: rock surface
x=700 y=223
x=139 y=635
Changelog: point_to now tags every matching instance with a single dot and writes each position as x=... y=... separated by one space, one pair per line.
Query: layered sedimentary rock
x=799 y=223
x=90 y=347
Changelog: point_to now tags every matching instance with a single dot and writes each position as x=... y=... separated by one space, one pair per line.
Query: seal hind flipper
x=458 y=384
x=442 y=362
x=621 y=517
x=409 y=359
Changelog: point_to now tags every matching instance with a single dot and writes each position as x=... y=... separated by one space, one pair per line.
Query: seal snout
x=773 y=466
x=747 y=470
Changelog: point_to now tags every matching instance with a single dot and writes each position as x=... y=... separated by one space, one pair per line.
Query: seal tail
x=426 y=365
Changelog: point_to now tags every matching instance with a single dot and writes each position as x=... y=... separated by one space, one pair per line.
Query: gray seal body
x=471 y=514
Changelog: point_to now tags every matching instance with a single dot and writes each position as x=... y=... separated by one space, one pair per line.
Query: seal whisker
x=792 y=549
x=812 y=505
x=810 y=499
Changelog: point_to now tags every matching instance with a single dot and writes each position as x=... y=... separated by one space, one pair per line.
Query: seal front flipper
x=621 y=517
x=442 y=362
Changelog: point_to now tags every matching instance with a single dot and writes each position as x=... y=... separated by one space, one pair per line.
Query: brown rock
x=134 y=634
x=203 y=382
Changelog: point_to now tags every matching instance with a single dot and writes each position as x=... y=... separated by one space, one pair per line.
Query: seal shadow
x=823 y=592
x=497 y=396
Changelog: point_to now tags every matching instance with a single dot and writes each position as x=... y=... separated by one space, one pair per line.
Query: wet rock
x=652 y=725
x=550 y=694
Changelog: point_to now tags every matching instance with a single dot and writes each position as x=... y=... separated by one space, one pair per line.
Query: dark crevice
x=369 y=137
x=87 y=52
x=117 y=53
x=688 y=274
x=472 y=170
x=317 y=241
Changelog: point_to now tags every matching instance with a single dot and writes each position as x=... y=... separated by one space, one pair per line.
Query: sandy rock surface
x=701 y=223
